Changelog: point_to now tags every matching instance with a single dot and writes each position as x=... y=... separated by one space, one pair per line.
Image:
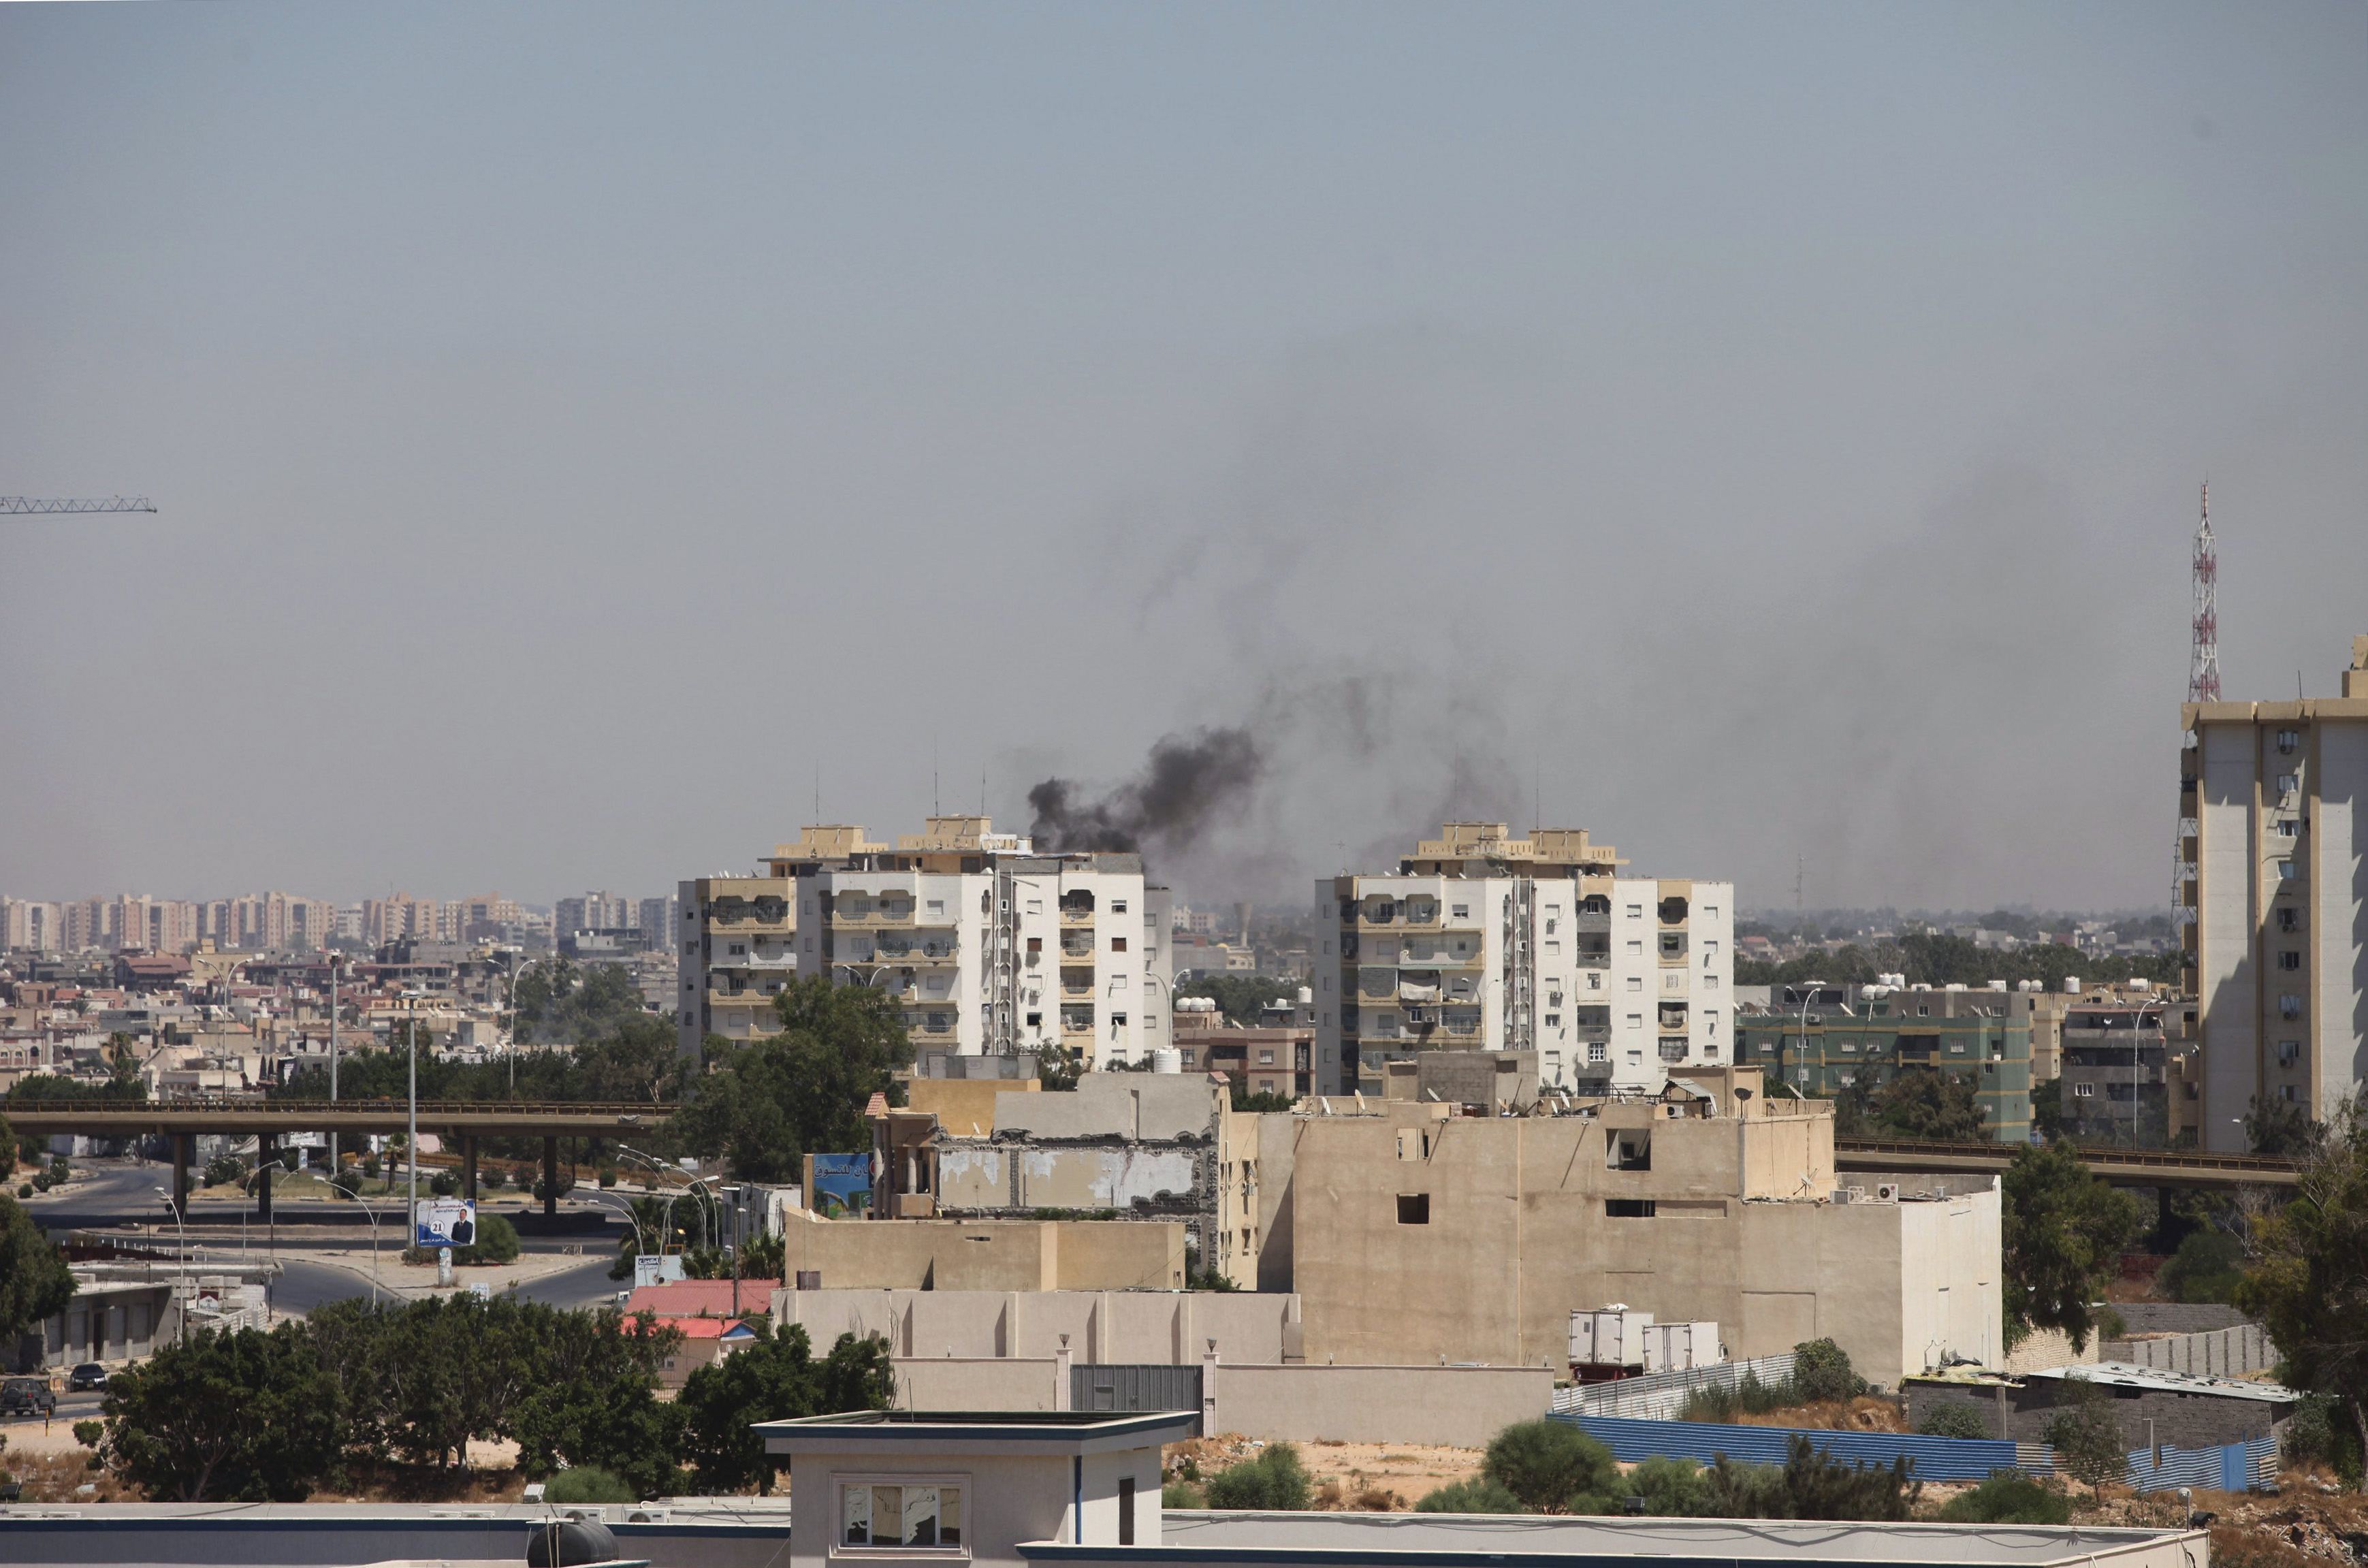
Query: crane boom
x=27 y=505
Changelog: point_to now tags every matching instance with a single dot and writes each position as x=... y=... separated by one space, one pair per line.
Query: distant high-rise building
x=31 y=925
x=659 y=921
x=1481 y=941
x=990 y=946
x=593 y=912
x=2273 y=808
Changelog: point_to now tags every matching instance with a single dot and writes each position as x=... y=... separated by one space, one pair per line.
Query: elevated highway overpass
x=2121 y=1166
x=463 y=1122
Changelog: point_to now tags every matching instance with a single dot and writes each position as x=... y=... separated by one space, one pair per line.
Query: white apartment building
x=1486 y=942
x=990 y=947
x=2274 y=807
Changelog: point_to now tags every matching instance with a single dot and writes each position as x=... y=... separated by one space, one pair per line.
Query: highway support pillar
x=266 y=1155
x=469 y=1167
x=551 y=1178
x=185 y=1150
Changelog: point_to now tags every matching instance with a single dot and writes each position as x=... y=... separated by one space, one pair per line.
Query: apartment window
x=1636 y=948
x=1710 y=912
x=2286 y=827
x=1035 y=944
x=905 y=1515
x=1414 y=1208
x=2285 y=870
x=1635 y=912
x=1673 y=1047
x=2289 y=1052
x=1594 y=980
x=1710 y=982
x=1923 y=1010
x=1709 y=950
x=1118 y=944
x=1118 y=906
x=1035 y=906
x=2289 y=919
x=2290 y=960
x=1628 y=1208
x=2288 y=783
x=2288 y=740
x=1597 y=1051
x=1635 y=983
x=2084 y=1091
x=936 y=906
x=1460 y=911
x=1636 y=1020
x=1554 y=1020
x=2289 y=1006
x=1118 y=1022
x=1629 y=1150
x=1035 y=1020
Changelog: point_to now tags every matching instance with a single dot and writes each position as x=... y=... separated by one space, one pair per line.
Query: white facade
x=1611 y=980
x=989 y=947
x=2274 y=808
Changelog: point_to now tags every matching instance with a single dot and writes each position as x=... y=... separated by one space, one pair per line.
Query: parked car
x=89 y=1375
x=27 y=1396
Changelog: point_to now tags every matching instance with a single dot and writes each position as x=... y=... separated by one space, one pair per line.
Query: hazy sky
x=1747 y=432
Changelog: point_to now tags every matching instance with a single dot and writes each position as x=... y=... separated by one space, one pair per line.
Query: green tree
x=1926 y=1102
x=2064 y=1231
x=49 y=1088
x=2309 y=1282
x=2047 y=1109
x=2208 y=1266
x=766 y=1105
x=1274 y=1480
x=247 y=1417
x=772 y=1378
x=1955 y=1420
x=1819 y=1486
x=2086 y=1437
x=1822 y=1371
x=2280 y=1128
x=560 y=1002
x=1548 y=1463
x=35 y=1282
x=1671 y=1488
x=2008 y=1497
x=589 y=1484
x=7 y=1149
x=1474 y=1495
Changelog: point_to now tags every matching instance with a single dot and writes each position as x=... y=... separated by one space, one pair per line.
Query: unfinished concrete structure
x=1121 y=1147
x=1420 y=1235
x=982 y=1255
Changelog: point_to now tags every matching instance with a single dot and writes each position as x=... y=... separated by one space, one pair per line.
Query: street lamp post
x=181 y=1273
x=373 y=1225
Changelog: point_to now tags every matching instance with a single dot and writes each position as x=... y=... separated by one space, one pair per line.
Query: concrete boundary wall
x=1453 y=1406
x=1170 y=1327
x=2216 y=1353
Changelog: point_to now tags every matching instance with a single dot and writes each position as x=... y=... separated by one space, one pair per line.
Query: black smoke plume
x=1186 y=783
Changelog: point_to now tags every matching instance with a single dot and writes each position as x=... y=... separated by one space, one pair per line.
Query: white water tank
x=1167 y=1059
x=2071 y=985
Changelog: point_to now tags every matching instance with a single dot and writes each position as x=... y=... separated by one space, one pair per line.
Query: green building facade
x=1983 y=1037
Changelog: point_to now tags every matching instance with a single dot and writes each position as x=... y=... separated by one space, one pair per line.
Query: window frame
x=842 y=1480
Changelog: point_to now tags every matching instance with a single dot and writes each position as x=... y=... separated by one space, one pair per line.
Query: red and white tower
x=2203 y=664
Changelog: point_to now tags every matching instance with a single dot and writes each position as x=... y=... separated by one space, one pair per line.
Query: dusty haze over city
x=585 y=433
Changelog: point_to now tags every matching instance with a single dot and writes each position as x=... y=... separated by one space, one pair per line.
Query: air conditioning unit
x=1886 y=1192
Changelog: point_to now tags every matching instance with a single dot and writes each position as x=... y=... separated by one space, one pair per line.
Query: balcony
x=1076 y=982
x=745 y=914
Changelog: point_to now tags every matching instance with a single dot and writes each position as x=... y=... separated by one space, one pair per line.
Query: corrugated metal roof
x=2124 y=1374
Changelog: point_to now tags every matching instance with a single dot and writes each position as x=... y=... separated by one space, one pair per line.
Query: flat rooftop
x=980 y=1431
x=1481 y=1538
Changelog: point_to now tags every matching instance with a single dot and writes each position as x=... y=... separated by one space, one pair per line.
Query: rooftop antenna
x=817 y=816
x=2203 y=660
x=937 y=806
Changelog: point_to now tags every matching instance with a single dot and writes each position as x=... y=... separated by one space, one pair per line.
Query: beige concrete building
x=1484 y=941
x=738 y=948
x=1123 y=1147
x=2273 y=824
x=983 y=1255
x=1417 y=1235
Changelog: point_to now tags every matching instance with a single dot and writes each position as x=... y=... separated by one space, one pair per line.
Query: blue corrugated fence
x=1936 y=1459
x=2235 y=1466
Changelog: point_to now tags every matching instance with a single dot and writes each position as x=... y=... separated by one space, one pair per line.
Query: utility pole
x=332 y=1060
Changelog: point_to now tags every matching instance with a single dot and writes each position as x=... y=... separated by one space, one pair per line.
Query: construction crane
x=32 y=506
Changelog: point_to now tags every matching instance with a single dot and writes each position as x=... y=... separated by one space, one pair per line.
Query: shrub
x=608 y=1177
x=2086 y=1439
x=24 y=1189
x=2008 y=1497
x=226 y=1170
x=348 y=1181
x=1479 y=1495
x=369 y=1165
x=1274 y=1479
x=1745 y=1490
x=1750 y=1397
x=2206 y=1267
x=586 y=1484
x=1819 y=1486
x=443 y=1183
x=2315 y=1436
x=1671 y=1488
x=1955 y=1420
x=1181 y=1495
x=1822 y=1371
x=88 y=1433
x=1548 y=1463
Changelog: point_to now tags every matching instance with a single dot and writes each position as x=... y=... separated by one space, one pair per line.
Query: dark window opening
x=1628 y=1208
x=1414 y=1208
x=1629 y=1152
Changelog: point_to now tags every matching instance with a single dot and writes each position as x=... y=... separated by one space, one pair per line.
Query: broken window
x=1629 y=1150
